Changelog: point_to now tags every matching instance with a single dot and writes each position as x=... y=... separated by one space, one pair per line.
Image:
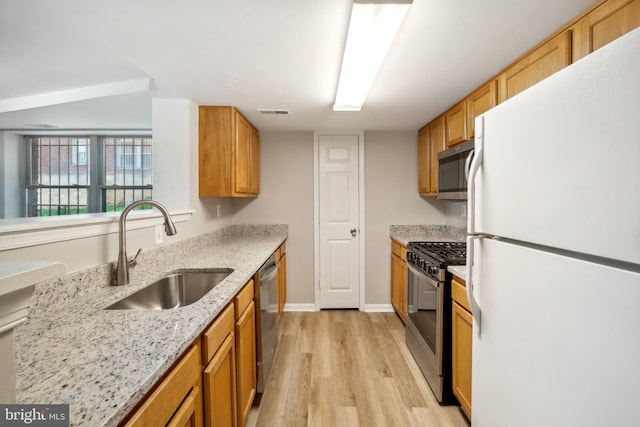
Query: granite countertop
x=102 y=362
x=458 y=270
x=404 y=234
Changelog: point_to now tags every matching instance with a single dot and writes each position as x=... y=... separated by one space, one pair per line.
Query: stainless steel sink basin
x=173 y=291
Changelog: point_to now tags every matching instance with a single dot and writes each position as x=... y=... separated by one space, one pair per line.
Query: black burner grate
x=446 y=253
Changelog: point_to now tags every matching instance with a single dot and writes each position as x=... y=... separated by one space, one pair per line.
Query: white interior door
x=338 y=217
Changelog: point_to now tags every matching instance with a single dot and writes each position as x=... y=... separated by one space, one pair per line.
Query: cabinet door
x=245 y=362
x=437 y=143
x=396 y=271
x=482 y=100
x=424 y=169
x=242 y=155
x=403 y=288
x=189 y=414
x=456 y=122
x=282 y=282
x=220 y=386
x=462 y=337
x=214 y=151
x=604 y=24
x=160 y=406
x=254 y=161
x=546 y=60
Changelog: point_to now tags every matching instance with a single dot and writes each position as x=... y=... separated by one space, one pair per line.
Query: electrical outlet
x=159 y=234
x=463 y=210
x=218 y=211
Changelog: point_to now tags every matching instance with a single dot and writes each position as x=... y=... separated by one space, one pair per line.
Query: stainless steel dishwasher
x=266 y=321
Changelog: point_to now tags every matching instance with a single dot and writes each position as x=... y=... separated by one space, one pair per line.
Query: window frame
x=97 y=163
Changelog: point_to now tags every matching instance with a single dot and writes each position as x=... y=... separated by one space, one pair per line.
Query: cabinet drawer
x=215 y=335
x=244 y=297
x=459 y=294
x=160 y=406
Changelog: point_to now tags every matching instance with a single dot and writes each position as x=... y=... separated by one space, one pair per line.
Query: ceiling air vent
x=281 y=112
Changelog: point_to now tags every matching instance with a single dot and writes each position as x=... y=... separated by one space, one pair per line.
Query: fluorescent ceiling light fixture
x=372 y=29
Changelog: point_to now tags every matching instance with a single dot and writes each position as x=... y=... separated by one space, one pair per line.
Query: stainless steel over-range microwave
x=453 y=166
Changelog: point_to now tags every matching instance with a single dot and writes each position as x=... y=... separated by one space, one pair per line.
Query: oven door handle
x=422 y=276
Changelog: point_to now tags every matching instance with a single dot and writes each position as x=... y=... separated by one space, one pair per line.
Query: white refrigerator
x=553 y=249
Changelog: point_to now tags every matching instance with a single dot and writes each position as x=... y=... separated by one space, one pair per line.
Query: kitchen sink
x=176 y=290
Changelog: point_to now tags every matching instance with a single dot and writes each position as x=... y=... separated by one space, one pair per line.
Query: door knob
x=354 y=232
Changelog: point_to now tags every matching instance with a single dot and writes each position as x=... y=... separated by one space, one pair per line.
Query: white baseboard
x=299 y=307
x=368 y=308
x=378 y=308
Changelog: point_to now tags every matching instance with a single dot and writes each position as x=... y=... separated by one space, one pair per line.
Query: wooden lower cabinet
x=214 y=383
x=399 y=279
x=281 y=261
x=219 y=375
x=189 y=414
x=177 y=399
x=462 y=338
x=245 y=358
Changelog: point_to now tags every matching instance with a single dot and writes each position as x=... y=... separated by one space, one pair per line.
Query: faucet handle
x=133 y=261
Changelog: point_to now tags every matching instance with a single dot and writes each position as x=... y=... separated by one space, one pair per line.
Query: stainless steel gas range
x=429 y=311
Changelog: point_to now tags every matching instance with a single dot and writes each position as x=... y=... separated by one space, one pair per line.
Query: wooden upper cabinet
x=254 y=161
x=544 y=61
x=604 y=24
x=456 y=124
x=424 y=175
x=228 y=153
x=480 y=101
x=431 y=140
x=437 y=143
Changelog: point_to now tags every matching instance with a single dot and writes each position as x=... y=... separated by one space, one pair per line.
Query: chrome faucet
x=122 y=269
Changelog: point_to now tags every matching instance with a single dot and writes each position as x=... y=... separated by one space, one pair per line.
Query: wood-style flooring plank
x=347 y=368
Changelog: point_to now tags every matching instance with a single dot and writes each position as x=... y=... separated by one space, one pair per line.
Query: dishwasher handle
x=268 y=270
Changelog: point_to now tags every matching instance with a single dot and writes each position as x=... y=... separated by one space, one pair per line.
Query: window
x=73 y=175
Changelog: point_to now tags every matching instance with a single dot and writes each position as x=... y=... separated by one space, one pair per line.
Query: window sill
x=25 y=232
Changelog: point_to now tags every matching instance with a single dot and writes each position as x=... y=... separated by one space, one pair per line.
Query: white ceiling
x=257 y=54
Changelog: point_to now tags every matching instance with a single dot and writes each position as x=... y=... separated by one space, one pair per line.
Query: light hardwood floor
x=347 y=368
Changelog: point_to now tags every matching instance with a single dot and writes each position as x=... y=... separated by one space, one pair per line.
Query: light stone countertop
x=404 y=234
x=458 y=270
x=102 y=362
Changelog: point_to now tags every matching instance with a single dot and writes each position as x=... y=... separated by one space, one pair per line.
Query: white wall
x=454 y=212
x=10 y=174
x=391 y=197
x=286 y=196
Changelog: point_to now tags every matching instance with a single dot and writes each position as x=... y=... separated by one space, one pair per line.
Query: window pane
x=128 y=165
x=58 y=176
x=128 y=161
x=118 y=199
x=54 y=201
x=59 y=161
